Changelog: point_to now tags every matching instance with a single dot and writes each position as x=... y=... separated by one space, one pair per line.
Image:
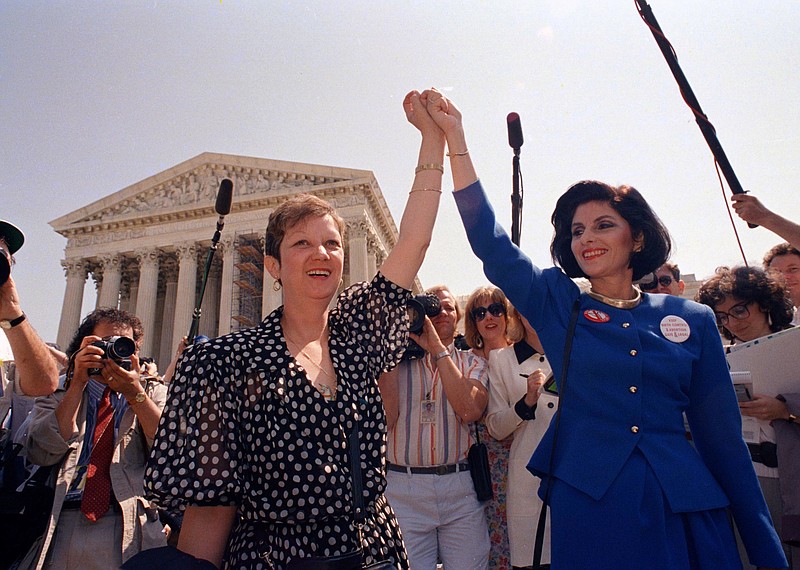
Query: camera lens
x=119 y=347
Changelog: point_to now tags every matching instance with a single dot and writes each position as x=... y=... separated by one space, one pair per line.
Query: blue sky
x=98 y=95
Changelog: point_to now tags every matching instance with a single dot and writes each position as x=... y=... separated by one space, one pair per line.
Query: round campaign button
x=674 y=328
x=596 y=316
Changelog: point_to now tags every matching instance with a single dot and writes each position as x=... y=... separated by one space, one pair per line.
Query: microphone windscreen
x=224 y=197
x=514 y=130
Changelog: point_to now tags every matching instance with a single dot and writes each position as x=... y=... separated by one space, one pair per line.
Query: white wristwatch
x=6 y=324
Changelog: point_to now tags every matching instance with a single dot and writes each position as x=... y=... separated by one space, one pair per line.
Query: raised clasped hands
x=430 y=112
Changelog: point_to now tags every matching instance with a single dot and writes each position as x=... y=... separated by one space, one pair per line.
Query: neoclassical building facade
x=145 y=246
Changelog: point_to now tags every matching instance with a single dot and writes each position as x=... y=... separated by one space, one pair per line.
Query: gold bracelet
x=437 y=190
x=465 y=153
x=429 y=166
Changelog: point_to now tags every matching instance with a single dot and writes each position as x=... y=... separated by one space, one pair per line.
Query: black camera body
x=5 y=264
x=418 y=307
x=117 y=348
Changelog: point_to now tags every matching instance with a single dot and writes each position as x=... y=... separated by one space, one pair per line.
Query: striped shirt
x=428 y=432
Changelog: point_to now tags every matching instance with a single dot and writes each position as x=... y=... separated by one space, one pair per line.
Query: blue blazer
x=629 y=383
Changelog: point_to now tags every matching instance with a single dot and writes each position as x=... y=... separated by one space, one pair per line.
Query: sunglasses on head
x=664 y=280
x=495 y=309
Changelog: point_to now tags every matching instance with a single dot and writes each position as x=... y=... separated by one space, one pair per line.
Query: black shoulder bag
x=562 y=388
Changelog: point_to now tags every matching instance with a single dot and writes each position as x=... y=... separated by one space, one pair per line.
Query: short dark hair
x=628 y=203
x=784 y=248
x=749 y=284
x=292 y=211
x=673 y=269
x=106 y=315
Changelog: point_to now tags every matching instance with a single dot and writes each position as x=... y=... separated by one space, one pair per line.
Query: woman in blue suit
x=628 y=491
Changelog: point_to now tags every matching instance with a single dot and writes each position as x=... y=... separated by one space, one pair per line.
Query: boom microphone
x=224 y=197
x=514 y=131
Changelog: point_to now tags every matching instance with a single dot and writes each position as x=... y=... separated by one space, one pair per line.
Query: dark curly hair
x=628 y=203
x=106 y=315
x=749 y=284
x=779 y=250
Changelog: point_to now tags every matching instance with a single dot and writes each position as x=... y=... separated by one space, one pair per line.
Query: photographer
x=36 y=372
x=100 y=425
x=430 y=403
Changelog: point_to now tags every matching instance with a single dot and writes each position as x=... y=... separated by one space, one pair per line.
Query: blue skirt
x=633 y=528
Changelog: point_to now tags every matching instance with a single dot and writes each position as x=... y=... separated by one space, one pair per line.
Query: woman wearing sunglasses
x=749 y=304
x=488 y=326
x=627 y=490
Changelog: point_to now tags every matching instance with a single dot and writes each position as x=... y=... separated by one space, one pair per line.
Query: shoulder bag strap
x=562 y=388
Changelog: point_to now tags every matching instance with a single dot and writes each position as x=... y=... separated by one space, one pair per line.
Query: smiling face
x=602 y=242
x=491 y=328
x=675 y=287
x=753 y=326
x=312 y=259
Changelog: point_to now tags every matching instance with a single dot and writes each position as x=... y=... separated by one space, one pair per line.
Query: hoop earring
x=341 y=283
x=277 y=285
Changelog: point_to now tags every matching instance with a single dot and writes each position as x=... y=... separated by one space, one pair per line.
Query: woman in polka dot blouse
x=253 y=440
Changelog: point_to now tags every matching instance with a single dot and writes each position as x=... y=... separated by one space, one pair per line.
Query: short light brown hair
x=513 y=332
x=293 y=211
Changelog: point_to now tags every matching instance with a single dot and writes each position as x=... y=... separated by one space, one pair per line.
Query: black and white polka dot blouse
x=243 y=426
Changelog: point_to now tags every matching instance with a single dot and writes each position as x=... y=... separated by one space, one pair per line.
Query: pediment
x=189 y=190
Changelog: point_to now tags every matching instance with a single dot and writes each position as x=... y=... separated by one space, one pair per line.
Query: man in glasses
x=430 y=404
x=667 y=281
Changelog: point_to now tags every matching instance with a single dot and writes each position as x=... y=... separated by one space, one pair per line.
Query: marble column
x=187 y=291
x=167 y=350
x=112 y=276
x=226 y=244
x=147 y=296
x=75 y=270
x=357 y=241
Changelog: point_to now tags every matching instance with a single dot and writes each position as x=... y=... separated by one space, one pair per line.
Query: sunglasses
x=738 y=312
x=495 y=309
x=664 y=280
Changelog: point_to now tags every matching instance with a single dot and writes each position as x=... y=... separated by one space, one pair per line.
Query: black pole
x=197 y=310
x=709 y=133
x=516 y=200
x=223 y=208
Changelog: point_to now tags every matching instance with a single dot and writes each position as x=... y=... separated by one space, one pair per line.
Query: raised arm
x=36 y=369
x=416 y=225
x=448 y=118
x=751 y=210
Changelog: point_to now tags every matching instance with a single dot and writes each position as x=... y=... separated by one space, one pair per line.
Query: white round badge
x=674 y=328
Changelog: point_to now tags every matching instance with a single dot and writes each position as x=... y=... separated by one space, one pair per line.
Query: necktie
x=97 y=491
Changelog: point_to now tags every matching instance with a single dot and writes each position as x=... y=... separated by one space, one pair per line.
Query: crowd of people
x=333 y=436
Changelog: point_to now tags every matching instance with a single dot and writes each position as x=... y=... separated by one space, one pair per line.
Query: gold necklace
x=303 y=352
x=618 y=303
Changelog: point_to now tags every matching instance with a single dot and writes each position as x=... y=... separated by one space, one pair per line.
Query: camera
x=117 y=348
x=5 y=264
x=418 y=307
